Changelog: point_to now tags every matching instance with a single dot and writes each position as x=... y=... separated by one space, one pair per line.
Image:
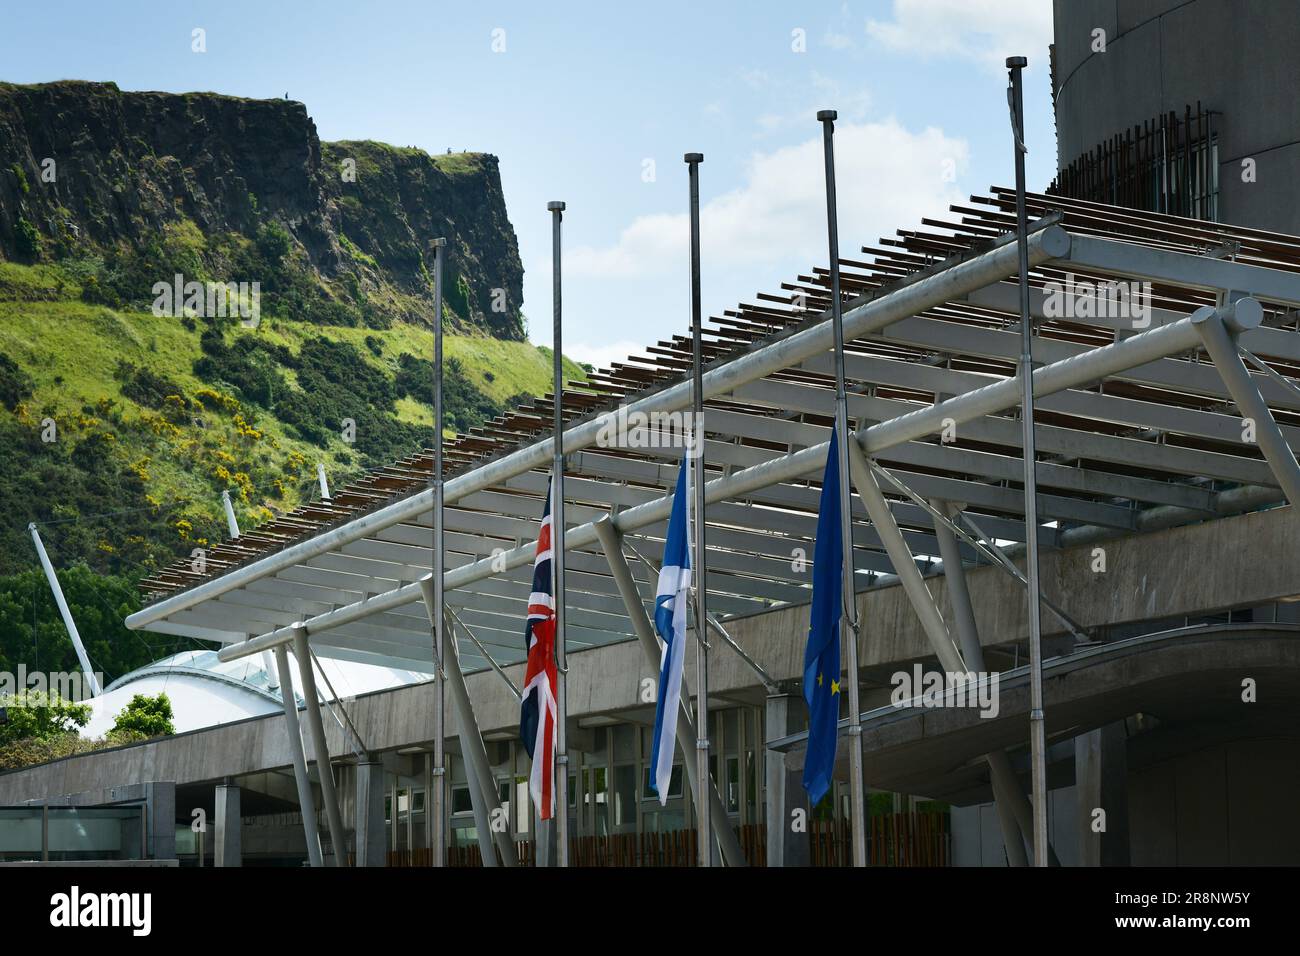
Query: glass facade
x=72 y=833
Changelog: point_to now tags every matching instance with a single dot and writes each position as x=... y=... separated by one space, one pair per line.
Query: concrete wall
x=977 y=837
x=1237 y=57
x=1231 y=804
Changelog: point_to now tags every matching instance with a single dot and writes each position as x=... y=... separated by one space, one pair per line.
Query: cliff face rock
x=128 y=166
x=402 y=198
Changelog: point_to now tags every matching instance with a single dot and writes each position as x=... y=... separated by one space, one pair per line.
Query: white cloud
x=987 y=31
x=888 y=177
x=603 y=356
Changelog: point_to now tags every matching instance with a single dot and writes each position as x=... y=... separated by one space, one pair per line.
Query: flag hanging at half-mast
x=537 y=712
x=671 y=599
x=821 y=658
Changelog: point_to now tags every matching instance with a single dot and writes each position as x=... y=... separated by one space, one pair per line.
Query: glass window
x=730 y=726
x=460 y=801
x=599 y=797
x=95 y=833
x=624 y=743
x=733 y=784
x=674 y=784
x=625 y=795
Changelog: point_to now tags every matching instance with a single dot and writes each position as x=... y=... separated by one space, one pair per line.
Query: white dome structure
x=205 y=692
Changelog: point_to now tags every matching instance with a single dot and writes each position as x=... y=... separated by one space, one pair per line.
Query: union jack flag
x=537 y=715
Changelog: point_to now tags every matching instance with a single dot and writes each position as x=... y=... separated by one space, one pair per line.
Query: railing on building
x=1169 y=164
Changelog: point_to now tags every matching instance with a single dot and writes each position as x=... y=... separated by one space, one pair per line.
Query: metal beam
x=320 y=749
x=732 y=854
x=1007 y=792
x=1117 y=258
x=306 y=799
x=1223 y=349
x=1139 y=349
x=904 y=298
x=472 y=749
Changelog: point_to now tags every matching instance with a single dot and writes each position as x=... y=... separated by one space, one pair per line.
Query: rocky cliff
x=210 y=184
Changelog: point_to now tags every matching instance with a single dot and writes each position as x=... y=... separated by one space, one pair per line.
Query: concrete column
x=160 y=818
x=226 y=844
x=370 y=813
x=785 y=793
x=1101 y=778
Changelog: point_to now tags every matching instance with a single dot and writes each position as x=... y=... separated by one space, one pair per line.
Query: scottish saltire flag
x=821 y=658
x=671 y=599
x=537 y=714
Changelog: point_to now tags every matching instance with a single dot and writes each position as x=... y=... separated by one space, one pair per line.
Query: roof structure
x=205 y=691
x=1136 y=429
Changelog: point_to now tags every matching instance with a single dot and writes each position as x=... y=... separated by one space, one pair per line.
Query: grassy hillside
x=166 y=413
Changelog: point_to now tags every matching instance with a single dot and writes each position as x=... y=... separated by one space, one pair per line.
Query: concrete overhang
x=1184 y=676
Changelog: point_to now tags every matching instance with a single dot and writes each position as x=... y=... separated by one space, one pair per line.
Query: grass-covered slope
x=120 y=429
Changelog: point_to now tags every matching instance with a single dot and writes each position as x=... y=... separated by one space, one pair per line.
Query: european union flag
x=821 y=658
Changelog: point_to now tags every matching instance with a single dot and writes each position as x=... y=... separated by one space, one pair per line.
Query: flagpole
x=437 y=817
x=1037 y=729
x=703 y=809
x=849 y=618
x=561 y=801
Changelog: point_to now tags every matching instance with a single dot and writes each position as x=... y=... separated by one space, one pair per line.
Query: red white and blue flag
x=537 y=715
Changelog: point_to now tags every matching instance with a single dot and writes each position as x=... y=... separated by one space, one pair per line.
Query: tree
x=144 y=717
x=36 y=715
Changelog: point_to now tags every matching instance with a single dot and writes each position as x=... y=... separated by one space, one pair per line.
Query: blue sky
x=595 y=103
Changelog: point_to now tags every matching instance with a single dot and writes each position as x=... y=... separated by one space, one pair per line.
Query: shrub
x=463 y=404
x=23 y=186
x=142 y=718
x=145 y=386
x=28 y=240
x=15 y=384
x=37 y=715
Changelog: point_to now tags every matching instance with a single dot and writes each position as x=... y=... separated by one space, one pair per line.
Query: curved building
x=1181 y=106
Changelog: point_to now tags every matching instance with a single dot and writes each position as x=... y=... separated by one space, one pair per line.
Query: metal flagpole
x=1037 y=730
x=849 y=619
x=560 y=801
x=703 y=808
x=436 y=818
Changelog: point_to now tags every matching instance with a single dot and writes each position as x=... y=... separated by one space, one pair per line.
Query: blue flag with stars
x=821 y=658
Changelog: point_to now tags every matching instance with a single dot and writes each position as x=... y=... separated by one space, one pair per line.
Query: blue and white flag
x=671 y=599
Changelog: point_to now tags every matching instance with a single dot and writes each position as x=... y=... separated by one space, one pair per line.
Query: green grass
x=71 y=351
x=499 y=369
x=458 y=164
x=36 y=283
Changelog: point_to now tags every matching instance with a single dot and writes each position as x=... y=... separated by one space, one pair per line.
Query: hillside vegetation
x=150 y=418
x=123 y=417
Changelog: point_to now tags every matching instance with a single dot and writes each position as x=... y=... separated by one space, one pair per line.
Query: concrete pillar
x=785 y=793
x=227 y=847
x=369 y=823
x=1101 y=778
x=160 y=818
